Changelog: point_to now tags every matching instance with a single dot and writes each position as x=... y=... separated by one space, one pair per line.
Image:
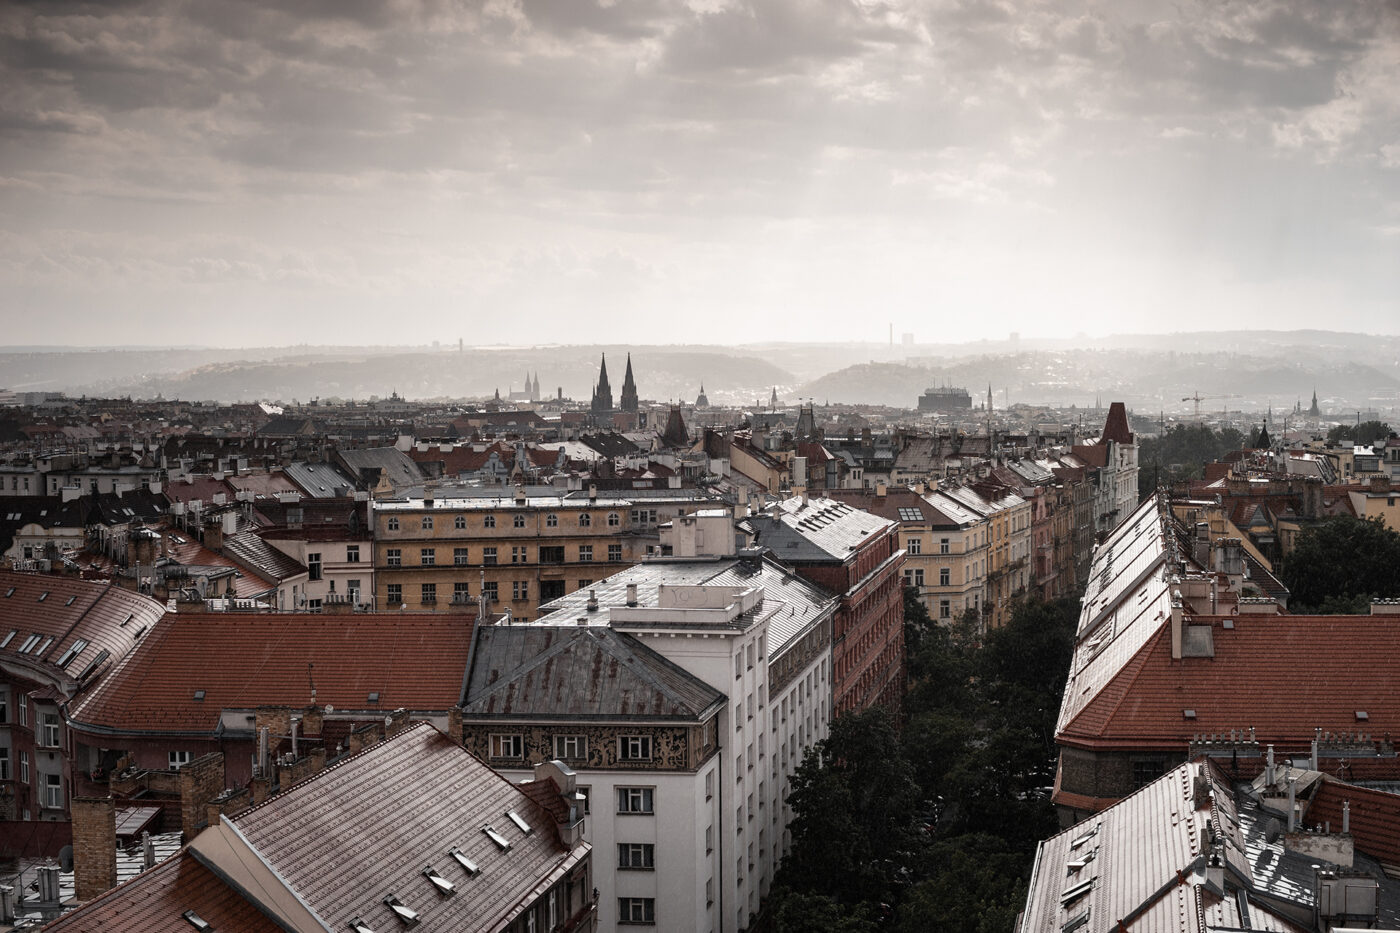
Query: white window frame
x=53 y=792
x=573 y=746
x=507 y=746
x=636 y=800
x=179 y=759
x=634 y=748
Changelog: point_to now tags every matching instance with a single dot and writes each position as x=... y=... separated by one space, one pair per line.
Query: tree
x=1343 y=562
x=798 y=912
x=1363 y=435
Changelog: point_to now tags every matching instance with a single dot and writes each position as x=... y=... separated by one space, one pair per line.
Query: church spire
x=602 y=393
x=629 y=389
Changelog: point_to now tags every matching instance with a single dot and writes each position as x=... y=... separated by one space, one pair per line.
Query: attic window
x=29 y=643
x=359 y=926
x=1076 y=843
x=1188 y=714
x=373 y=697
x=519 y=821
x=1228 y=623
x=72 y=652
x=1078 y=864
x=92 y=665
x=140 y=630
x=10 y=592
x=44 y=647
x=1075 y=922
x=910 y=515
x=70 y=600
x=199 y=694
x=470 y=867
x=501 y=841
x=9 y=638
x=1362 y=715
x=444 y=887
x=198 y=922
x=128 y=619
x=43 y=596
x=407 y=915
x=1074 y=893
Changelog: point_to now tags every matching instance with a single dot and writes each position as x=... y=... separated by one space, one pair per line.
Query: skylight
x=1076 y=843
x=910 y=515
x=70 y=600
x=1188 y=714
x=29 y=643
x=198 y=922
x=467 y=864
x=1075 y=922
x=407 y=915
x=359 y=926
x=1362 y=715
x=9 y=638
x=43 y=596
x=519 y=821
x=44 y=647
x=1073 y=894
x=72 y=652
x=128 y=618
x=497 y=838
x=444 y=887
x=199 y=694
x=373 y=697
x=92 y=665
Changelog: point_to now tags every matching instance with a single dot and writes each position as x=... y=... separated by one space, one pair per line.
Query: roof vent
x=407 y=915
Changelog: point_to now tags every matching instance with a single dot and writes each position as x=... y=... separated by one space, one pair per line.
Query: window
x=179 y=760
x=507 y=746
x=352 y=589
x=519 y=555
x=519 y=520
x=910 y=514
x=585 y=553
x=570 y=746
x=460 y=556
x=461 y=592
x=945 y=576
x=615 y=553
x=587 y=794
x=459 y=522
x=393 y=594
x=748 y=655
x=352 y=553
x=488 y=556
x=428 y=593
x=1145 y=772
x=519 y=589
x=636 y=910
x=313 y=566
x=584 y=520
x=4 y=706
x=553 y=589
x=551 y=520
x=393 y=557
x=49 y=734
x=488 y=521
x=614 y=520
x=552 y=554
x=636 y=856
x=635 y=799
x=427 y=523
x=709 y=839
x=427 y=556
x=488 y=589
x=53 y=792
x=582 y=585
x=4 y=764
x=24 y=767
x=945 y=611
x=916 y=546
x=393 y=523
x=943 y=545
x=634 y=748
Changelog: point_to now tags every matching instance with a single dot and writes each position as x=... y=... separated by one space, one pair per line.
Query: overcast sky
x=706 y=171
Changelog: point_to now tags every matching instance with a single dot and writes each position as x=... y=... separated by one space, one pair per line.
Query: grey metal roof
x=572 y=671
x=392 y=462
x=799 y=603
x=817 y=530
x=317 y=480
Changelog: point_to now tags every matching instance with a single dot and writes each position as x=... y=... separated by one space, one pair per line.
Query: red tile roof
x=1375 y=818
x=1116 y=427
x=155 y=902
x=1285 y=676
x=416 y=661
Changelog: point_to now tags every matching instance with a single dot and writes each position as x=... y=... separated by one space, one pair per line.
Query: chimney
x=519 y=495
x=631 y=594
x=592 y=600
x=1292 y=803
x=1269 y=768
x=454 y=724
x=592 y=492
x=214 y=534
x=1178 y=624
x=200 y=782
x=1346 y=816
x=94 y=846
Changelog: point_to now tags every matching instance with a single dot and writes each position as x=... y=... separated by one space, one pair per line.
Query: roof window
x=198 y=922
x=43 y=596
x=470 y=867
x=1078 y=864
x=1074 y=893
x=140 y=630
x=1362 y=715
x=359 y=926
x=407 y=915
x=44 y=647
x=1188 y=714
x=1079 y=841
x=373 y=697
x=129 y=617
x=92 y=665
x=72 y=652
x=70 y=600
x=9 y=638
x=519 y=821
x=501 y=841
x=1075 y=922
x=444 y=887
x=29 y=643
x=199 y=694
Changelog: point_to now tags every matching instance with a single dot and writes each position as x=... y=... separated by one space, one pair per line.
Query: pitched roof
x=416 y=661
x=548 y=671
x=253 y=553
x=1115 y=428
x=392 y=462
x=317 y=480
x=815 y=530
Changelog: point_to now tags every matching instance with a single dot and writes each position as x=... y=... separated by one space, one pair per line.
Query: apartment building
x=1008 y=520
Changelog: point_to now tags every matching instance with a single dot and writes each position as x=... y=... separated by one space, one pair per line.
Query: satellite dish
x=329 y=708
x=65 y=858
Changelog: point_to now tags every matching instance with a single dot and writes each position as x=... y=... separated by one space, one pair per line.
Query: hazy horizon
x=356 y=174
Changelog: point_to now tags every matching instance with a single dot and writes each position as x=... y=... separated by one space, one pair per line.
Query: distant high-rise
x=602 y=392
x=629 y=388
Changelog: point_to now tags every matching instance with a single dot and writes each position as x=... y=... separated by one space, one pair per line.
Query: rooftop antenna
x=312 y=681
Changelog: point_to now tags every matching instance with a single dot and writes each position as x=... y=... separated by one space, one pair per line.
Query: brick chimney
x=94 y=846
x=201 y=781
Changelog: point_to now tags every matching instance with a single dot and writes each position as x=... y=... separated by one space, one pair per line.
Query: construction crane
x=1198 y=398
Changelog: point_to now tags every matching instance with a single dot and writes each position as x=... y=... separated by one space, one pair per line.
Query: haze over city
x=706 y=172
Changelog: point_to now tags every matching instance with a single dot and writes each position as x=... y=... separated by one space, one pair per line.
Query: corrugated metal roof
x=538 y=671
x=818 y=530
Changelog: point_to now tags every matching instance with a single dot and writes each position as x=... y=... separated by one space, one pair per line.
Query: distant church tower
x=629 y=388
x=602 y=393
x=700 y=400
x=533 y=387
x=773 y=401
x=1313 y=412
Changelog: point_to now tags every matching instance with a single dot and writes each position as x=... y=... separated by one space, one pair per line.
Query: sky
x=699 y=171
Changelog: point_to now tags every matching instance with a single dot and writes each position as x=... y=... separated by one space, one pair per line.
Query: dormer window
x=519 y=822
x=407 y=915
x=441 y=884
x=501 y=841
x=460 y=857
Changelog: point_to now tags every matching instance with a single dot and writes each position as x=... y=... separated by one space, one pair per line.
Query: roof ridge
x=1127 y=674
x=531 y=664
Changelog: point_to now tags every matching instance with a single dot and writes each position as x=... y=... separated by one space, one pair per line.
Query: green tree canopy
x=1343 y=563
x=1364 y=434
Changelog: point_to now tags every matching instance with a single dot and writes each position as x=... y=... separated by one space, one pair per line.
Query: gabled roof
x=317 y=480
x=416 y=661
x=255 y=554
x=390 y=461
x=592 y=672
x=816 y=530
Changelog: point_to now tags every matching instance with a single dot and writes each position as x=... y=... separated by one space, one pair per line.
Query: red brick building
x=857 y=557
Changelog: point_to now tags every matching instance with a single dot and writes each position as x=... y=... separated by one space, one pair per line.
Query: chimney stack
x=631 y=594
x=94 y=846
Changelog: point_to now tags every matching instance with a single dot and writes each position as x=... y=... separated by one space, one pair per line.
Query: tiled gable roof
x=411 y=660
